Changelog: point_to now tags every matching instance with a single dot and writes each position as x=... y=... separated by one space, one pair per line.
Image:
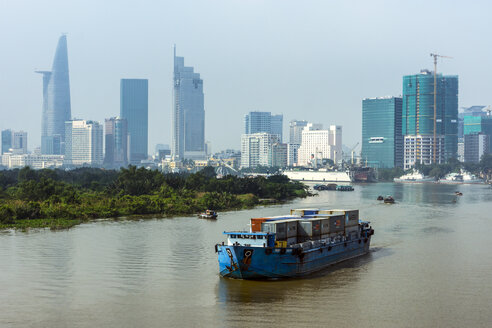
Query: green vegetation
x=483 y=169
x=61 y=199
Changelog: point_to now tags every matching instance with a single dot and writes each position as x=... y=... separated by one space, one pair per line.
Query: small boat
x=380 y=197
x=208 y=214
x=345 y=188
x=389 y=200
x=319 y=187
x=457 y=193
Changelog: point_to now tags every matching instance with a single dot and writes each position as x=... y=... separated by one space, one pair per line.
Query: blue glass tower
x=56 y=101
x=188 y=112
x=382 y=140
x=134 y=107
x=418 y=108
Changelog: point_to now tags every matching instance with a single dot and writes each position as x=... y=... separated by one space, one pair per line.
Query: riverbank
x=46 y=199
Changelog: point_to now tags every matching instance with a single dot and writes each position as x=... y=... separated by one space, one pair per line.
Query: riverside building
x=418 y=118
x=318 y=144
x=256 y=149
x=382 y=139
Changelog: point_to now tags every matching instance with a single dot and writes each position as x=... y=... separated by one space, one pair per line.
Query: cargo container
x=279 y=228
x=256 y=224
x=352 y=232
x=309 y=229
x=351 y=216
x=304 y=212
x=291 y=241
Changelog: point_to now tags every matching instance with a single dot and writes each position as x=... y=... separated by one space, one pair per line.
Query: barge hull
x=243 y=262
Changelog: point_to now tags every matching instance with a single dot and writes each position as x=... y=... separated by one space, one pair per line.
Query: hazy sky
x=311 y=60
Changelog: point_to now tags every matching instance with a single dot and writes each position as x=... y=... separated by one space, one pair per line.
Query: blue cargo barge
x=259 y=255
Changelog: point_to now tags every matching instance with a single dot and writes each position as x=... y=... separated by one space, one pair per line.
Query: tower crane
x=435 y=101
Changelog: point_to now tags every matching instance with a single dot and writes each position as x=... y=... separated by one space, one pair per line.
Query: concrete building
x=84 y=143
x=292 y=154
x=382 y=139
x=116 y=140
x=256 y=149
x=279 y=154
x=336 y=143
x=188 y=139
x=56 y=101
x=35 y=161
x=315 y=145
x=295 y=131
x=134 y=107
x=476 y=145
x=318 y=144
x=419 y=149
x=418 y=113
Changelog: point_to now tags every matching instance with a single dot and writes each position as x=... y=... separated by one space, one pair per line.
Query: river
x=430 y=265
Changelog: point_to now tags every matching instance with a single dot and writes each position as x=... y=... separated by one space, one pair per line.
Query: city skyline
x=298 y=65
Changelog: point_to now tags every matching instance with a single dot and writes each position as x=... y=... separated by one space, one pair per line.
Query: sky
x=308 y=60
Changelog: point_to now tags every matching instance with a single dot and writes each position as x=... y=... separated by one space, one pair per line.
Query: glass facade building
x=134 y=107
x=418 y=108
x=478 y=125
x=188 y=113
x=263 y=122
x=382 y=139
x=116 y=142
x=56 y=101
x=6 y=140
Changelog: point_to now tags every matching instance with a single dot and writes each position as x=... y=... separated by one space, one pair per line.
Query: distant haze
x=308 y=60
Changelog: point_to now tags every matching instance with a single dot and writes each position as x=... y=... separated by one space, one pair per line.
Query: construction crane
x=352 y=151
x=435 y=102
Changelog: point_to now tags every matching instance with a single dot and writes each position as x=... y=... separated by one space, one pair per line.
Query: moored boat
x=293 y=246
x=414 y=177
x=463 y=177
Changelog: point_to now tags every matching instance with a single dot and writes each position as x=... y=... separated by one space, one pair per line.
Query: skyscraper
x=382 y=141
x=277 y=125
x=56 y=101
x=134 y=107
x=84 y=142
x=418 y=115
x=116 y=142
x=188 y=140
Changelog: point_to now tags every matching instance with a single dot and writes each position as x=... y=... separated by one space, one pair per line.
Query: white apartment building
x=35 y=161
x=256 y=149
x=318 y=144
x=83 y=142
x=420 y=148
